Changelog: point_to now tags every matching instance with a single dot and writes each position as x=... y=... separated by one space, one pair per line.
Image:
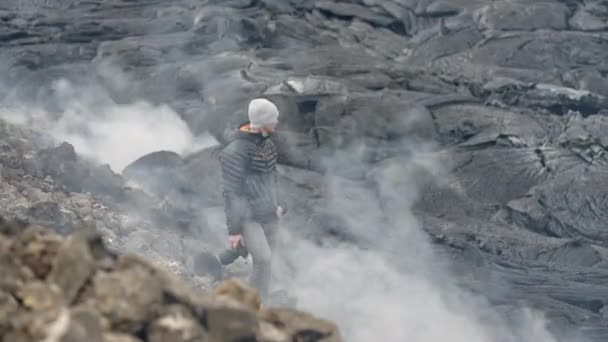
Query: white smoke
x=391 y=289
x=98 y=128
x=395 y=288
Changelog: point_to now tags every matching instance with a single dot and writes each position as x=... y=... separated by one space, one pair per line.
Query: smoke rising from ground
x=107 y=132
x=391 y=288
x=395 y=288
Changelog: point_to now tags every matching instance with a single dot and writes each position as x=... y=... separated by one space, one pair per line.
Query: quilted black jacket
x=249 y=180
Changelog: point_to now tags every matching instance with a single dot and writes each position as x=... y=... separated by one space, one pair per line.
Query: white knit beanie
x=262 y=112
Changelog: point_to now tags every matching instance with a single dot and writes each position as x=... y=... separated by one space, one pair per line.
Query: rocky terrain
x=74 y=289
x=480 y=121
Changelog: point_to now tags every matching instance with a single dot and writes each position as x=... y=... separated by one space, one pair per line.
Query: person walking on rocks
x=251 y=203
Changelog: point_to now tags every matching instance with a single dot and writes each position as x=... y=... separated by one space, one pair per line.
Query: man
x=250 y=196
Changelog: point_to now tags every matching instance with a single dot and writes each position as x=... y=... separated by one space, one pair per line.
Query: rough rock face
x=40 y=184
x=512 y=95
x=72 y=289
